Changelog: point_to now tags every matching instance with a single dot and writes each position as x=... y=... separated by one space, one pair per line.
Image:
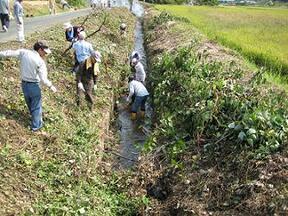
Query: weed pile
x=59 y=173
x=219 y=144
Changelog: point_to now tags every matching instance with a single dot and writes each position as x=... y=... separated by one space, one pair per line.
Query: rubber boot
x=142 y=114
x=133 y=116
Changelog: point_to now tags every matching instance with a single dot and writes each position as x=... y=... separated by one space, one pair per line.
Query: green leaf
x=251 y=131
x=231 y=125
x=250 y=141
x=241 y=135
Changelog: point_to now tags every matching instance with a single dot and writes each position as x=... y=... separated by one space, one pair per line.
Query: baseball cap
x=42 y=45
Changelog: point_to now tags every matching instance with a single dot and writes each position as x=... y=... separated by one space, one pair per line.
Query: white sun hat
x=67 y=25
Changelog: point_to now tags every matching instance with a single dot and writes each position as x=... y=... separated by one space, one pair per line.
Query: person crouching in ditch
x=140 y=74
x=85 y=73
x=141 y=94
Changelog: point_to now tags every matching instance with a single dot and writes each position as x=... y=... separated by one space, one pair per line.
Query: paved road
x=40 y=23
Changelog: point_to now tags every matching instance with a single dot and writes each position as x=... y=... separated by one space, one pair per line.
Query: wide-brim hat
x=67 y=25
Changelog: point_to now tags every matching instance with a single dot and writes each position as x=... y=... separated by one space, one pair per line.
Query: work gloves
x=53 y=89
x=81 y=87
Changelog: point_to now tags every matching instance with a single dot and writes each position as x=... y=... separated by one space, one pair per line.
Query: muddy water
x=133 y=134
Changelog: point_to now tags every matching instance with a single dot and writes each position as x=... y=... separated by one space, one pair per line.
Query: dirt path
x=41 y=23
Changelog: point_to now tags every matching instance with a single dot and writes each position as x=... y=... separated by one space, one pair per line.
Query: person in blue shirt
x=85 y=55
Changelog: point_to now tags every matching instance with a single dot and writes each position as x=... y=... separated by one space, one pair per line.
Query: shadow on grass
x=22 y=118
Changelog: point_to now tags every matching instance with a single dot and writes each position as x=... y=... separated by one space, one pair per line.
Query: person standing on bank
x=85 y=74
x=19 y=14
x=33 y=70
x=4 y=14
x=141 y=94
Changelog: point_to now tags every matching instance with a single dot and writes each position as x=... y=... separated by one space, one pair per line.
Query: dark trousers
x=139 y=102
x=4 y=20
x=86 y=76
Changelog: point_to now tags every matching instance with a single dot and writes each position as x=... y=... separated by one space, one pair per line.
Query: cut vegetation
x=60 y=173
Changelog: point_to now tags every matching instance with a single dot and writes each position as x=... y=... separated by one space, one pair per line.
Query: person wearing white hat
x=134 y=55
x=72 y=32
x=85 y=73
x=123 y=27
x=140 y=74
x=33 y=70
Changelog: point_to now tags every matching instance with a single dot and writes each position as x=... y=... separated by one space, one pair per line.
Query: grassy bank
x=40 y=8
x=61 y=173
x=260 y=34
x=219 y=145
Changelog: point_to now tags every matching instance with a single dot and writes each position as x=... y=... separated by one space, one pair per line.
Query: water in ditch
x=133 y=134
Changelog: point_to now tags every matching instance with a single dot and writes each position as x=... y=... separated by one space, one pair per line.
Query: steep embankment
x=59 y=173
x=219 y=146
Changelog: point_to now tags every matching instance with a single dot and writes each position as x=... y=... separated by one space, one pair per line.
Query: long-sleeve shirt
x=4 y=6
x=83 y=50
x=18 y=10
x=32 y=66
x=70 y=35
x=137 y=88
x=140 y=73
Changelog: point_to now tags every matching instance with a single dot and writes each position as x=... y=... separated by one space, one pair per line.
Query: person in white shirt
x=18 y=13
x=140 y=74
x=4 y=14
x=33 y=70
x=139 y=91
x=85 y=72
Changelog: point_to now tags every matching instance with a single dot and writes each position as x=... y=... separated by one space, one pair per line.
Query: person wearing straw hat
x=33 y=71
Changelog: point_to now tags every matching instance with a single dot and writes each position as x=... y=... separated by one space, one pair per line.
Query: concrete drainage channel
x=132 y=134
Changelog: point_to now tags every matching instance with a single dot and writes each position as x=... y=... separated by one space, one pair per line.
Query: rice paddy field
x=260 y=34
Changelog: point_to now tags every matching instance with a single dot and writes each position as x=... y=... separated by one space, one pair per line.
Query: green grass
x=62 y=173
x=260 y=34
